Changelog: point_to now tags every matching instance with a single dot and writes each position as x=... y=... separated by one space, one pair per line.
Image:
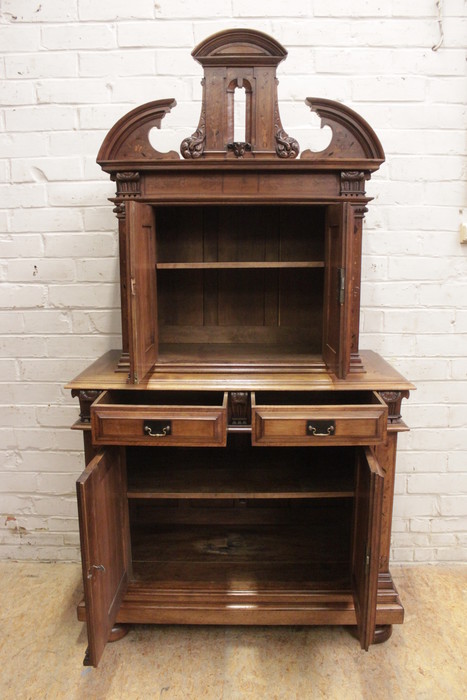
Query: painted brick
x=57 y=64
x=45 y=11
x=43 y=118
x=157 y=33
x=46 y=169
x=112 y=10
x=117 y=63
x=23 y=196
x=16 y=93
x=16 y=38
x=79 y=36
x=35 y=270
x=96 y=322
x=66 y=91
x=170 y=9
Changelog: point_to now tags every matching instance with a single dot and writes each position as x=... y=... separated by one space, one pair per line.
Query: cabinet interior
x=237 y=519
x=240 y=284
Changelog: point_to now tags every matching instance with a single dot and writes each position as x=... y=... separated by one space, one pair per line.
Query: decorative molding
x=353 y=183
x=128 y=184
x=128 y=139
x=352 y=136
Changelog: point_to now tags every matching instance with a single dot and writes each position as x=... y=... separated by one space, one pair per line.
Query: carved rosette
x=239 y=148
x=352 y=183
x=128 y=184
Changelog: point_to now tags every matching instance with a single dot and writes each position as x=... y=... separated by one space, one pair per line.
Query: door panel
x=366 y=538
x=336 y=346
x=142 y=291
x=104 y=533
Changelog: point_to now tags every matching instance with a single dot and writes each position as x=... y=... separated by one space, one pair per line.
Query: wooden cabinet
x=240 y=448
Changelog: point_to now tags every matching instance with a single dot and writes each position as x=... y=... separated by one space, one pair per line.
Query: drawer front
x=320 y=425
x=175 y=426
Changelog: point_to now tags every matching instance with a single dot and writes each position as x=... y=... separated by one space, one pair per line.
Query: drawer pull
x=154 y=428
x=320 y=428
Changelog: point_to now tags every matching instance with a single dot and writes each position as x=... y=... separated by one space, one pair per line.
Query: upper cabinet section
x=240 y=120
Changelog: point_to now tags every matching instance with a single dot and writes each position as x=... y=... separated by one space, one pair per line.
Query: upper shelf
x=237 y=265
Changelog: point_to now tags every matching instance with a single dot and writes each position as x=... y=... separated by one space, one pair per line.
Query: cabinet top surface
x=378 y=374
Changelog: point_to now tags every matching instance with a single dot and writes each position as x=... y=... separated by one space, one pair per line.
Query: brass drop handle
x=320 y=428
x=164 y=433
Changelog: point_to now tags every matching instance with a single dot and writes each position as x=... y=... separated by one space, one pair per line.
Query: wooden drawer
x=160 y=418
x=318 y=418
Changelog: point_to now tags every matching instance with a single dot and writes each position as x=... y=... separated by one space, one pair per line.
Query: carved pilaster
x=393 y=399
x=128 y=183
x=86 y=398
x=239 y=408
x=352 y=183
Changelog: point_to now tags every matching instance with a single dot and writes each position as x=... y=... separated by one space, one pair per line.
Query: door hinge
x=133 y=287
x=341 y=273
x=367 y=559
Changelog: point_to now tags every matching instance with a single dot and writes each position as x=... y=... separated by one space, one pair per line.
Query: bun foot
x=382 y=633
x=118 y=632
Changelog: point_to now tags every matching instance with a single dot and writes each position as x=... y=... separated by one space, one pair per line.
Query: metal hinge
x=367 y=559
x=341 y=273
x=133 y=287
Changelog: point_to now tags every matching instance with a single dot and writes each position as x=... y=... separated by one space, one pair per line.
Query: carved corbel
x=393 y=399
x=353 y=183
x=193 y=146
x=128 y=184
x=86 y=398
x=119 y=211
x=286 y=146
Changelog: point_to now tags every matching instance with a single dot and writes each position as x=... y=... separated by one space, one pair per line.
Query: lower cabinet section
x=233 y=535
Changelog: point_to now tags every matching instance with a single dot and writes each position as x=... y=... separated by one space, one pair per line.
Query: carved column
x=353 y=188
x=120 y=212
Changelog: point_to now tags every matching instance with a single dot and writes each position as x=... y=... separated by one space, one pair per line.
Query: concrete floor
x=42 y=648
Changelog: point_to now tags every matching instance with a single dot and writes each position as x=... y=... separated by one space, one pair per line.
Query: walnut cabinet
x=240 y=448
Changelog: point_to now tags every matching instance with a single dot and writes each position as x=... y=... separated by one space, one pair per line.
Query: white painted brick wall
x=71 y=68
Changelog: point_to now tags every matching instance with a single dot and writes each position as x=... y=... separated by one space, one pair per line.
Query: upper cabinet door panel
x=366 y=540
x=336 y=344
x=142 y=292
x=103 y=525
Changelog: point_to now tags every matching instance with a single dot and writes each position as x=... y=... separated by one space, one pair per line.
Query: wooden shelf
x=245 y=558
x=237 y=355
x=247 y=473
x=268 y=265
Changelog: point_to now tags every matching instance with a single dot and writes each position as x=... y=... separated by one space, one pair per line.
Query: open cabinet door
x=366 y=538
x=336 y=345
x=142 y=291
x=104 y=545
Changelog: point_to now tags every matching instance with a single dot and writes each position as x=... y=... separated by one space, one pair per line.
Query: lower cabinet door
x=103 y=524
x=366 y=538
